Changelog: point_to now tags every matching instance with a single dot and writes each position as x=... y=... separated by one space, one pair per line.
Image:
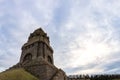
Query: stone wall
x=40 y=68
x=37 y=58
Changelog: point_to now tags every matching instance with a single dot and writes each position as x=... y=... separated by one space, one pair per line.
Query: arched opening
x=49 y=59
x=27 y=57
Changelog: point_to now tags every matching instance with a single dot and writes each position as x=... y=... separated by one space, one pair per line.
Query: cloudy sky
x=85 y=34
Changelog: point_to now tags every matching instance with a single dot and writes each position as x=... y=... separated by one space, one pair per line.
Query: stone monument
x=37 y=57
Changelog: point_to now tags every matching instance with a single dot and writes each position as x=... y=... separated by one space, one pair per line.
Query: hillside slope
x=16 y=74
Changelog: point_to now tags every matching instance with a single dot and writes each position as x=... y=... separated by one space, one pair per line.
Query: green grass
x=16 y=74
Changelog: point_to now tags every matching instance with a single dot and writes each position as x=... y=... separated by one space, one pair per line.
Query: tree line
x=94 y=77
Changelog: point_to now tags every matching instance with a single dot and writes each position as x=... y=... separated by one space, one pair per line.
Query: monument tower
x=37 y=57
x=37 y=46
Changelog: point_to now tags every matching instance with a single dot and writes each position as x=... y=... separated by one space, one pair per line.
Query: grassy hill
x=16 y=74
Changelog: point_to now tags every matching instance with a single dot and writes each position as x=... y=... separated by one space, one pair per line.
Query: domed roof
x=37 y=36
x=38 y=32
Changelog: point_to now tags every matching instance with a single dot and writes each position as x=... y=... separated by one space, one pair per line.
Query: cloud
x=90 y=37
x=17 y=21
x=84 y=34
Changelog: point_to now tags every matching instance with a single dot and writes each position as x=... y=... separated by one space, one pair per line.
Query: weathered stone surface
x=37 y=57
x=38 y=45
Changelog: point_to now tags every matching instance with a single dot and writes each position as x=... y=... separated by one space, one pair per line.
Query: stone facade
x=38 y=45
x=37 y=58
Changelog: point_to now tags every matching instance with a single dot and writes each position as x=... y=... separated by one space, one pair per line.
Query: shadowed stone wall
x=37 y=57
